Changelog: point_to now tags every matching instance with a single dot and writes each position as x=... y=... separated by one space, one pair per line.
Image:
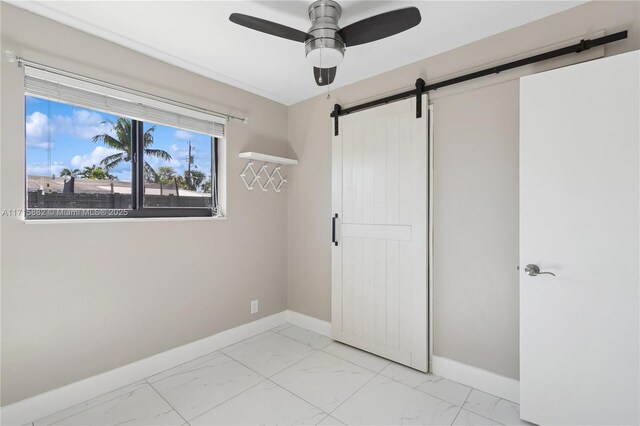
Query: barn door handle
x=333 y=229
x=533 y=270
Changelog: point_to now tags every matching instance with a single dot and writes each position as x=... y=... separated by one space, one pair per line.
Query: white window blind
x=64 y=89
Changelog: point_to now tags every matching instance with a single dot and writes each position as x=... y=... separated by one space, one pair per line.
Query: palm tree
x=95 y=172
x=122 y=142
x=194 y=179
x=67 y=172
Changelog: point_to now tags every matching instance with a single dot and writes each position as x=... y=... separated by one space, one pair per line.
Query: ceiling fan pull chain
x=320 y=74
x=329 y=84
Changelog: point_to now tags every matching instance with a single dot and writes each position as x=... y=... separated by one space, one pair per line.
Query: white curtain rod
x=12 y=57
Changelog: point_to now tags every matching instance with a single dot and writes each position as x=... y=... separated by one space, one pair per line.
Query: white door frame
x=430 y=162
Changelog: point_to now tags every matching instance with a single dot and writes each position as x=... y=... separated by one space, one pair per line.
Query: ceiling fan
x=325 y=42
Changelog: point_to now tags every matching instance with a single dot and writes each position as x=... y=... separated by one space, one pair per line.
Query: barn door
x=379 y=259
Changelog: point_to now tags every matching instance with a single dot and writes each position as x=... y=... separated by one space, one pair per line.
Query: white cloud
x=83 y=124
x=37 y=130
x=201 y=158
x=156 y=162
x=183 y=135
x=93 y=158
x=42 y=169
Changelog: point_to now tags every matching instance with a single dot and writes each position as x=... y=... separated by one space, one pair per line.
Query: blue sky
x=59 y=136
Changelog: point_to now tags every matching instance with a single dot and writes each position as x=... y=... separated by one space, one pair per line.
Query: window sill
x=124 y=219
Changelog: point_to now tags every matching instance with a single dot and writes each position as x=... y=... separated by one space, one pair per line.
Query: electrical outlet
x=254 y=306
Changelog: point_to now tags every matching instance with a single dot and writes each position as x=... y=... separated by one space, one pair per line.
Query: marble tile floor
x=286 y=376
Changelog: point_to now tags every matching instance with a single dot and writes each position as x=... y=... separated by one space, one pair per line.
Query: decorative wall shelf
x=263 y=178
x=268 y=158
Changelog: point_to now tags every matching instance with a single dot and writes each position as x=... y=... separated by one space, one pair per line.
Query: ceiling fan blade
x=380 y=26
x=268 y=27
x=327 y=74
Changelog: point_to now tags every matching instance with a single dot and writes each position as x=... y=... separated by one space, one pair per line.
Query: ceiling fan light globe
x=325 y=57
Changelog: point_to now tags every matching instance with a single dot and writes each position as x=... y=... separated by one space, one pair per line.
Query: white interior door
x=579 y=219
x=379 y=265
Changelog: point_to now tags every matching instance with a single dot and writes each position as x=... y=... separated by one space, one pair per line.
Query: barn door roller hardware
x=421 y=87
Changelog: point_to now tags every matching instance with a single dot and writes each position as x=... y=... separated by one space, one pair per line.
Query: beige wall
x=62 y=325
x=82 y=298
x=475 y=184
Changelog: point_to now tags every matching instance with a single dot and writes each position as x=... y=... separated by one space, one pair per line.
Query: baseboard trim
x=42 y=405
x=50 y=402
x=493 y=383
x=486 y=381
x=310 y=323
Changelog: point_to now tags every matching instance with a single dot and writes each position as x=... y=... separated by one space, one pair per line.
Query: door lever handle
x=533 y=270
x=334 y=240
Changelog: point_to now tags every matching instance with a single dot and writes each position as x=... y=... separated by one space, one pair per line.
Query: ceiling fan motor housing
x=324 y=47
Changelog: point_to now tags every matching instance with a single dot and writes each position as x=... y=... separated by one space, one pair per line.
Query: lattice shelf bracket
x=272 y=179
x=264 y=178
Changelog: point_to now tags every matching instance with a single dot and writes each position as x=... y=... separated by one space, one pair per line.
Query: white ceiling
x=197 y=35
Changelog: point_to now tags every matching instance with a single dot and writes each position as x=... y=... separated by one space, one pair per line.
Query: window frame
x=137 y=182
x=137 y=210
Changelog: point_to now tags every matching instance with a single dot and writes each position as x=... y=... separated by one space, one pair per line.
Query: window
x=178 y=168
x=122 y=159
